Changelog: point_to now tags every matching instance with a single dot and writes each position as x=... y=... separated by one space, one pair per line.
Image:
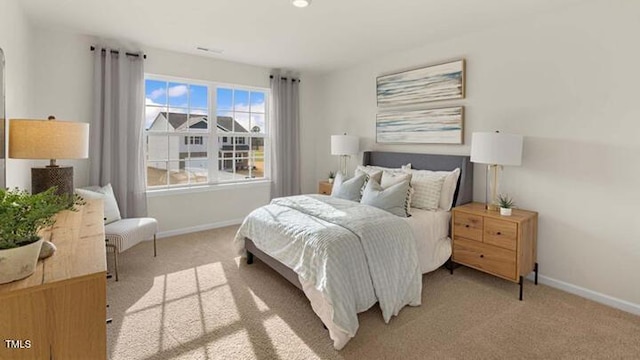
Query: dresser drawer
x=501 y=233
x=467 y=225
x=489 y=258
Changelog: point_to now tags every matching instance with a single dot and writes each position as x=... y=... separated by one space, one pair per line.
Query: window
x=184 y=148
x=193 y=140
x=241 y=127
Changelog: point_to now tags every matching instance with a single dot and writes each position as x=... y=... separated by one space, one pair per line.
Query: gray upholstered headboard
x=464 y=191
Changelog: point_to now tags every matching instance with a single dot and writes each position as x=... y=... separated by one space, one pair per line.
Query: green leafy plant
x=332 y=175
x=23 y=215
x=505 y=201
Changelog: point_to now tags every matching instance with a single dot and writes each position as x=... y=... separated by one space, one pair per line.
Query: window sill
x=208 y=188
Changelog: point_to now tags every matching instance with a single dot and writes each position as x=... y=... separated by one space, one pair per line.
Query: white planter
x=330 y=181
x=20 y=262
x=505 y=211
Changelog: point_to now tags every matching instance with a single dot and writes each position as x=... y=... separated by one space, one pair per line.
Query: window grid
x=228 y=156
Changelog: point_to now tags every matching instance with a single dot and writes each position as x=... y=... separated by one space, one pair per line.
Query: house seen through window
x=183 y=147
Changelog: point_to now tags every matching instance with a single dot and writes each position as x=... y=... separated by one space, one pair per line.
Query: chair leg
x=155 y=253
x=115 y=261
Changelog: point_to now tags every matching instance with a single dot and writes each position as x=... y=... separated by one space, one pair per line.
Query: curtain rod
x=144 y=56
x=285 y=78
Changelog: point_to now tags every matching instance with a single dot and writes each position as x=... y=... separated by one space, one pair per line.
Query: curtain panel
x=285 y=135
x=116 y=150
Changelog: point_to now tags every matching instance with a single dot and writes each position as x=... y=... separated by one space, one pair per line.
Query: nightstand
x=324 y=187
x=503 y=246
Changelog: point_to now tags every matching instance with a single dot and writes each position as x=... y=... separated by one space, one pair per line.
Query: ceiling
x=328 y=35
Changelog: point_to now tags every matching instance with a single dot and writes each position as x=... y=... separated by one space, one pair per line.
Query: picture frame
x=421 y=126
x=444 y=81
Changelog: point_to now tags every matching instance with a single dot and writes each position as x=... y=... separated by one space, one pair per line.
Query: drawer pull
x=481 y=255
x=466 y=225
x=498 y=233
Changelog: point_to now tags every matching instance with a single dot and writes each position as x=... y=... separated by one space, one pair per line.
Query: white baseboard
x=192 y=229
x=589 y=294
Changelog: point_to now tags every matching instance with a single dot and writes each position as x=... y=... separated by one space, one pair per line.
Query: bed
x=347 y=257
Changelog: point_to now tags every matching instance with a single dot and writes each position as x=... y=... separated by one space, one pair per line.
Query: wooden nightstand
x=324 y=187
x=504 y=246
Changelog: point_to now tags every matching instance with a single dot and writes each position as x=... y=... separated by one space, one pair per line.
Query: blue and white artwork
x=431 y=83
x=427 y=126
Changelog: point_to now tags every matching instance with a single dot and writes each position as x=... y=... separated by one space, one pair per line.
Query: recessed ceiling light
x=215 y=51
x=301 y=3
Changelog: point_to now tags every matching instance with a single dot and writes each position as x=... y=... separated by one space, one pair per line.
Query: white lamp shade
x=496 y=148
x=345 y=145
x=48 y=139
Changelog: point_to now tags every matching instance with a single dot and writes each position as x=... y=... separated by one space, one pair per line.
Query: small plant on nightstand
x=506 y=204
x=332 y=175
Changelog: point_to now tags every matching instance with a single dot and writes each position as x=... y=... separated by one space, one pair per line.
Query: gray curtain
x=285 y=135
x=116 y=150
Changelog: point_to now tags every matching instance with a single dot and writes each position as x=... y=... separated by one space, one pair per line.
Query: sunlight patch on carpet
x=234 y=346
x=141 y=334
x=286 y=342
x=202 y=314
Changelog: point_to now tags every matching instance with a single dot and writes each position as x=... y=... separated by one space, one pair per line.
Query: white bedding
x=430 y=230
x=348 y=256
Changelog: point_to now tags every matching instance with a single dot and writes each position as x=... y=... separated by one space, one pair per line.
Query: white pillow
x=427 y=186
x=391 y=178
x=348 y=189
x=370 y=173
x=448 y=187
x=111 y=210
x=391 y=199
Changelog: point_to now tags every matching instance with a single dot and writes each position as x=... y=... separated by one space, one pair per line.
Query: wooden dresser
x=61 y=308
x=504 y=246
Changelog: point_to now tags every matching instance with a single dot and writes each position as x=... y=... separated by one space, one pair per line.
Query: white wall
x=15 y=36
x=568 y=82
x=62 y=68
x=225 y=205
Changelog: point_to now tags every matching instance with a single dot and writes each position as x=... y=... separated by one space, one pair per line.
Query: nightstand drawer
x=484 y=257
x=501 y=233
x=468 y=226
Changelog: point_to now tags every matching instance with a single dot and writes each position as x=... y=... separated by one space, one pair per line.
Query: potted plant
x=22 y=216
x=506 y=204
x=332 y=176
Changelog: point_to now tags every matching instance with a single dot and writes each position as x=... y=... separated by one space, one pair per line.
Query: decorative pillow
x=427 y=187
x=111 y=210
x=392 y=199
x=391 y=178
x=348 y=189
x=370 y=173
x=448 y=187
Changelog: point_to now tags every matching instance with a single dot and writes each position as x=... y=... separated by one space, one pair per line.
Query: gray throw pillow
x=392 y=199
x=348 y=189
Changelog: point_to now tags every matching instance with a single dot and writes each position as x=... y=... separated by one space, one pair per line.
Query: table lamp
x=49 y=139
x=345 y=146
x=495 y=149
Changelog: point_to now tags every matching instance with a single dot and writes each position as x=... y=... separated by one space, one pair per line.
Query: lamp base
x=44 y=178
x=492 y=207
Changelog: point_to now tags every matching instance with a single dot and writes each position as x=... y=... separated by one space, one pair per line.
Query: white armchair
x=121 y=234
x=125 y=233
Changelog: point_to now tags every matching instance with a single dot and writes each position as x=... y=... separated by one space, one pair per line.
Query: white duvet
x=347 y=256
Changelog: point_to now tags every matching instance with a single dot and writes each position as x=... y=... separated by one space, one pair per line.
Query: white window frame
x=212 y=135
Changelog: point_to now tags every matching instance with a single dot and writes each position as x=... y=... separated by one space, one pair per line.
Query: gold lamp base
x=492 y=207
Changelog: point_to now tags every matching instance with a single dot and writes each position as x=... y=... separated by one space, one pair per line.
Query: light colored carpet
x=196 y=300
